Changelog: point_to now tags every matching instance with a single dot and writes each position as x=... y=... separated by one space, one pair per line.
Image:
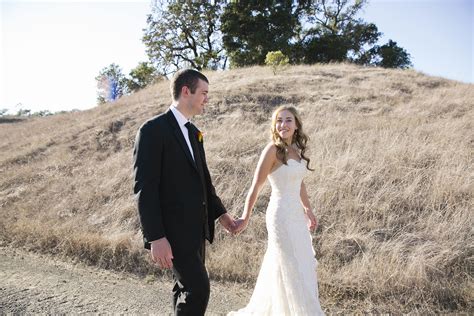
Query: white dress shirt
x=181 y=121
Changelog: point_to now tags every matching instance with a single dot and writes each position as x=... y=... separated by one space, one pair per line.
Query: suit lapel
x=198 y=156
x=198 y=153
x=179 y=137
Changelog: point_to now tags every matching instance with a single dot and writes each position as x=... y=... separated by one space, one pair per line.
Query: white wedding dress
x=287 y=281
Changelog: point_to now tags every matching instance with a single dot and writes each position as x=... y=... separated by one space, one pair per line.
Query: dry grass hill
x=393 y=185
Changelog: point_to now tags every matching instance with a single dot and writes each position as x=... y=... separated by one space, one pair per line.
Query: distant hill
x=392 y=186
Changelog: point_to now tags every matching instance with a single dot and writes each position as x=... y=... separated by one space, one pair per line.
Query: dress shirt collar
x=179 y=116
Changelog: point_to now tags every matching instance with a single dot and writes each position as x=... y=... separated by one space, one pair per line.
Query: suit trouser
x=191 y=288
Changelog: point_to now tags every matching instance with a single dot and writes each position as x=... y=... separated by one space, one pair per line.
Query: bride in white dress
x=287 y=281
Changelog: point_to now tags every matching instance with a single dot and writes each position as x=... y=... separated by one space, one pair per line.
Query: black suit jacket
x=174 y=200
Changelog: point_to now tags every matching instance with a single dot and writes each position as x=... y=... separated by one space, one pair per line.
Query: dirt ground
x=33 y=284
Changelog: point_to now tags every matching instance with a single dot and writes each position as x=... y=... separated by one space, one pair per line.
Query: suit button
x=203 y=203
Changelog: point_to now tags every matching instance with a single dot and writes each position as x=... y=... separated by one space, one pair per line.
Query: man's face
x=199 y=98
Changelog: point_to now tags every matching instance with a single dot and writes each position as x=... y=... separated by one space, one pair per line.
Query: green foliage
x=389 y=55
x=23 y=112
x=111 y=84
x=184 y=34
x=42 y=113
x=141 y=76
x=204 y=34
x=305 y=31
x=3 y=112
x=393 y=56
x=276 y=60
x=28 y=113
x=251 y=29
x=333 y=33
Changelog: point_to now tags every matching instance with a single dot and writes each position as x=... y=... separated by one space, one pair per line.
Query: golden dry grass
x=393 y=185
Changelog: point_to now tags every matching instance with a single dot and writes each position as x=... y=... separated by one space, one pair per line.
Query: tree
x=393 y=56
x=389 y=55
x=141 y=76
x=276 y=60
x=42 y=113
x=251 y=29
x=331 y=31
x=203 y=34
x=111 y=84
x=307 y=31
x=184 y=33
x=23 y=112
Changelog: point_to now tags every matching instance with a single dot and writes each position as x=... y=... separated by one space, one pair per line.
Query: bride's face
x=285 y=125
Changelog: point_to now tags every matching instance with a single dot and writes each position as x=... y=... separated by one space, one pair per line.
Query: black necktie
x=192 y=139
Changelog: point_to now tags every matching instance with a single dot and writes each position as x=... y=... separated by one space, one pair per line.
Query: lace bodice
x=286 y=180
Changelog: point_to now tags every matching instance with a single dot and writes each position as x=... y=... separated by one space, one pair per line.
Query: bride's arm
x=307 y=207
x=265 y=164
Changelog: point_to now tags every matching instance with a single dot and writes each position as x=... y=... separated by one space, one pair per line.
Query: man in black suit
x=177 y=202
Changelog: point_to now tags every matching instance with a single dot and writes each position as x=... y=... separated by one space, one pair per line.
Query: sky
x=51 y=51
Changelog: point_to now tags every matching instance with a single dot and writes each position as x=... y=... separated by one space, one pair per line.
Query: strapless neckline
x=282 y=165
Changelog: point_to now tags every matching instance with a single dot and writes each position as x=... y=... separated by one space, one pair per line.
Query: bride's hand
x=312 y=222
x=240 y=224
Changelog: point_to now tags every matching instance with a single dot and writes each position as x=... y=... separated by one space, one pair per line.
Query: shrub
x=277 y=60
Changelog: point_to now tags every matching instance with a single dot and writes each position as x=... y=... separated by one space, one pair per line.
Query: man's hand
x=161 y=253
x=228 y=222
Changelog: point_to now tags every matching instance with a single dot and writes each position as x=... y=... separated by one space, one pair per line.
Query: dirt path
x=32 y=284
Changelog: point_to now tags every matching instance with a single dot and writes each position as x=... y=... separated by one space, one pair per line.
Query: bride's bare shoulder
x=269 y=153
x=270 y=149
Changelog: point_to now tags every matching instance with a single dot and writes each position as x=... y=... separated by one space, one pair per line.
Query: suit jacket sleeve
x=214 y=201
x=147 y=168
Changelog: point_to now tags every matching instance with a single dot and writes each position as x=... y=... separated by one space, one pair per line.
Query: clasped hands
x=231 y=225
x=161 y=252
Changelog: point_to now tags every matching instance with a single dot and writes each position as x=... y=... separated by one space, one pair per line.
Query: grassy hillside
x=392 y=189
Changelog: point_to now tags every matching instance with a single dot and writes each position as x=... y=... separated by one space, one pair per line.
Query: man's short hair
x=185 y=77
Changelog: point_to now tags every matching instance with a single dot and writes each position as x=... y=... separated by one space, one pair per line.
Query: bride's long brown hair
x=299 y=137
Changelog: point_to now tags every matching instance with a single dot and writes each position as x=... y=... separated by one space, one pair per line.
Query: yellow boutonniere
x=200 y=136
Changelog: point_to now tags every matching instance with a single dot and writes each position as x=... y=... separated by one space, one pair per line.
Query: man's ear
x=185 y=91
